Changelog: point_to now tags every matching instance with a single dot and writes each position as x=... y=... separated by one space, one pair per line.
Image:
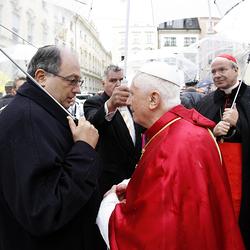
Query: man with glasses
x=119 y=143
x=48 y=164
x=232 y=131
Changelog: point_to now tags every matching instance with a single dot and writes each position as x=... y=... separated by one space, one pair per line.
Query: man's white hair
x=169 y=92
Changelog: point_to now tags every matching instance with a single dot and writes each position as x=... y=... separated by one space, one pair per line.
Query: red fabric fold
x=232 y=157
x=178 y=197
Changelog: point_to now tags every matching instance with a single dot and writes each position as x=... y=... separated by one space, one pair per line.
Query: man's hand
x=121 y=192
x=221 y=128
x=84 y=131
x=118 y=98
x=231 y=115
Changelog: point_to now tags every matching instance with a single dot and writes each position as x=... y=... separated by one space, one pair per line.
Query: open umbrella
x=20 y=52
x=234 y=24
x=188 y=68
x=209 y=47
x=125 y=12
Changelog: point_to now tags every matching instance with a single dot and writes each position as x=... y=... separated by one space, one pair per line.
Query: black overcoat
x=210 y=107
x=48 y=183
x=115 y=146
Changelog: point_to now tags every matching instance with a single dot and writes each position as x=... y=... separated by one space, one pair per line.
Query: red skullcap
x=229 y=57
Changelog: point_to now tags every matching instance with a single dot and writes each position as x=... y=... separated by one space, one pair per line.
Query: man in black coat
x=190 y=96
x=233 y=128
x=48 y=165
x=119 y=143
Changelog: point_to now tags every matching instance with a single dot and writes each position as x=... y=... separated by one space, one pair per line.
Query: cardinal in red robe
x=178 y=197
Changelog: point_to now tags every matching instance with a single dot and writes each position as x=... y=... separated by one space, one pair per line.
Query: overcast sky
x=108 y=13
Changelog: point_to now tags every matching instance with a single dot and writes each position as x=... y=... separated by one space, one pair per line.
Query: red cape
x=178 y=197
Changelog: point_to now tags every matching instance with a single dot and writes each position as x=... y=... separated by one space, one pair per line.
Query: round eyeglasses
x=70 y=79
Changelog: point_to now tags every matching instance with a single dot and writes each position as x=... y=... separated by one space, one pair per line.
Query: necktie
x=129 y=121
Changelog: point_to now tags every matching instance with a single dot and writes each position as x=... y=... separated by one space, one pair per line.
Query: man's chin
x=67 y=105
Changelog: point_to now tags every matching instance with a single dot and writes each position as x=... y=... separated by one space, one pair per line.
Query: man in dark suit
x=119 y=142
x=48 y=165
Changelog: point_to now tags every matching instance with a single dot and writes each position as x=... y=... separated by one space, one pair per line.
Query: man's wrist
x=108 y=114
x=110 y=107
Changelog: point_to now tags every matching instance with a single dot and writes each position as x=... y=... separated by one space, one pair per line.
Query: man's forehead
x=70 y=63
x=112 y=73
x=219 y=61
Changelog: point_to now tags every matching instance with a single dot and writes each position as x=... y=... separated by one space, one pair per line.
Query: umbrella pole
x=242 y=80
x=236 y=95
x=126 y=39
x=33 y=80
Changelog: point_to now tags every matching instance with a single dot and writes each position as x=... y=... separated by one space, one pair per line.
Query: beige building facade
x=40 y=23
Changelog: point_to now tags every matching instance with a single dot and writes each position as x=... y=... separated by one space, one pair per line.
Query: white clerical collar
x=229 y=90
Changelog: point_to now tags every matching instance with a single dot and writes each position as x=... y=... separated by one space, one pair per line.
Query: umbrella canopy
x=188 y=69
x=159 y=10
x=209 y=47
x=18 y=52
x=234 y=24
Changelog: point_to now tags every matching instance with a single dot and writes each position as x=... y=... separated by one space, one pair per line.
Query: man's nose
x=118 y=82
x=77 y=89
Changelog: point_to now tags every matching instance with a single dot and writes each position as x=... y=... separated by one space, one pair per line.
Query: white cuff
x=109 y=115
x=106 y=208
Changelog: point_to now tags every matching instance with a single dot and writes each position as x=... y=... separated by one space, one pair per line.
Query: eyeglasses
x=114 y=80
x=72 y=81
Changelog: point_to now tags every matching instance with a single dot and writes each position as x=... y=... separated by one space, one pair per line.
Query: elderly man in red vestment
x=179 y=196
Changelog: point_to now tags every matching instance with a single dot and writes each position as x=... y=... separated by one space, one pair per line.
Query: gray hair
x=235 y=66
x=170 y=93
x=111 y=67
x=47 y=58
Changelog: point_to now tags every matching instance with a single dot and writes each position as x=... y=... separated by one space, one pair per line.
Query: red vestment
x=231 y=153
x=179 y=196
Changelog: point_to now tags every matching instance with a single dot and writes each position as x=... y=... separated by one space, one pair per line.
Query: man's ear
x=40 y=77
x=154 y=100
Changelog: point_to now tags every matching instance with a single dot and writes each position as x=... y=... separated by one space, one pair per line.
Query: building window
x=71 y=25
x=149 y=38
x=45 y=31
x=169 y=41
x=44 y=5
x=30 y=27
x=15 y=25
x=189 y=40
x=189 y=23
x=169 y=24
x=136 y=38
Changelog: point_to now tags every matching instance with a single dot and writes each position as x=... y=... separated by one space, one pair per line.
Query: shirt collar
x=229 y=90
